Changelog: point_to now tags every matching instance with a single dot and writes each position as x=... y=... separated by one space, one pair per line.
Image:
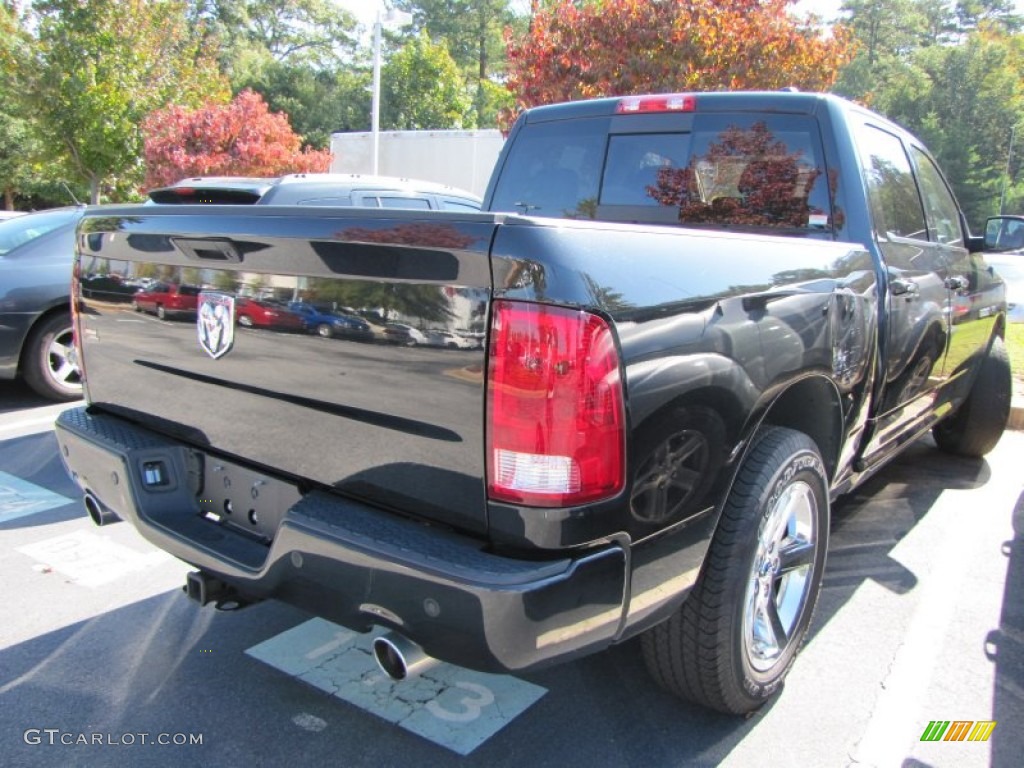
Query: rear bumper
x=351 y=563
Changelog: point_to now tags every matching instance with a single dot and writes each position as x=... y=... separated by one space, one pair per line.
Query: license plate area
x=243 y=499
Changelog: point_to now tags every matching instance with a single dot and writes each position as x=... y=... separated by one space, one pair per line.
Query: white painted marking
x=340 y=638
x=454 y=707
x=309 y=722
x=91 y=560
x=32 y=422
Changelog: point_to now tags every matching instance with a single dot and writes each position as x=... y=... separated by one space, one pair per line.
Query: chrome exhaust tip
x=98 y=512
x=399 y=657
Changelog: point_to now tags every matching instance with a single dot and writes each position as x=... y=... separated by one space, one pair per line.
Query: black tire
x=976 y=426
x=48 y=359
x=325 y=330
x=760 y=580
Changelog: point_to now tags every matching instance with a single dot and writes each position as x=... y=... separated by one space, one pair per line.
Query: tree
x=242 y=138
x=317 y=102
x=101 y=66
x=963 y=101
x=582 y=50
x=314 y=32
x=474 y=32
x=421 y=88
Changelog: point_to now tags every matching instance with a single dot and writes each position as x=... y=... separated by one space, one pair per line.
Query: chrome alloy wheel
x=782 y=575
x=61 y=361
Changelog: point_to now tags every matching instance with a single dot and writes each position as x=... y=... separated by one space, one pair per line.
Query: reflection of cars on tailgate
x=168 y=300
x=35 y=316
x=256 y=313
x=400 y=333
x=329 y=324
x=320 y=189
x=450 y=340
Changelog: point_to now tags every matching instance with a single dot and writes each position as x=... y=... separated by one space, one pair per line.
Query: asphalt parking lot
x=103 y=662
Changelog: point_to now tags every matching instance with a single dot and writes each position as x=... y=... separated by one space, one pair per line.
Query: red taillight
x=669 y=102
x=555 y=407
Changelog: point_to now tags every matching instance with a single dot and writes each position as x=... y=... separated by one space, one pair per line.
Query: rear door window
x=554 y=169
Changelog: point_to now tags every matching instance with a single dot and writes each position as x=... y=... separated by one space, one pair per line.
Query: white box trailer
x=461 y=159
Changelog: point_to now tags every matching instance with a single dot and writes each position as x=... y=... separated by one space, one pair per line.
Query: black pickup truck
x=691 y=322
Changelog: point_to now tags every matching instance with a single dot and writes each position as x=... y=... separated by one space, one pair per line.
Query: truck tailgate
x=389 y=415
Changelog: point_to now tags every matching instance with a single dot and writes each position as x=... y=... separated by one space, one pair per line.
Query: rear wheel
x=48 y=359
x=325 y=330
x=976 y=426
x=161 y=312
x=732 y=642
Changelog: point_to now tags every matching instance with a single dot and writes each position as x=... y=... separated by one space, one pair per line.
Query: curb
x=1016 y=413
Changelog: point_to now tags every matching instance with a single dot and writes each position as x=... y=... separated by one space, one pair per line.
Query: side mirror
x=1004 y=233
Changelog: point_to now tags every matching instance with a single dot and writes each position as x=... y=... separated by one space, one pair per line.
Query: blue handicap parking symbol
x=19 y=498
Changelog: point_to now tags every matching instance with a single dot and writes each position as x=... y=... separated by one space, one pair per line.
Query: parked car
x=321 y=189
x=406 y=335
x=110 y=287
x=329 y=324
x=1004 y=244
x=450 y=340
x=1010 y=267
x=257 y=313
x=166 y=300
x=35 y=314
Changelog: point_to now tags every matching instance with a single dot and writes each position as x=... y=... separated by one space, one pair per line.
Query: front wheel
x=976 y=426
x=48 y=360
x=732 y=642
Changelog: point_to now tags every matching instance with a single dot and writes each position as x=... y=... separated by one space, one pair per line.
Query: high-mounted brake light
x=555 y=407
x=669 y=102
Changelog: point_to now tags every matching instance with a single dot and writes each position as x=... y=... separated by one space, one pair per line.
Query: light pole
x=1006 y=179
x=390 y=18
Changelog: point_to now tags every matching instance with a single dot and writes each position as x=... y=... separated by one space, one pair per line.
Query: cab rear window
x=725 y=170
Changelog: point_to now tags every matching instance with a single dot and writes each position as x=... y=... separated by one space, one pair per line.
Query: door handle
x=958 y=283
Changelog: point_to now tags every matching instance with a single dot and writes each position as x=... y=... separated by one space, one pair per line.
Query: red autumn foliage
x=621 y=47
x=241 y=138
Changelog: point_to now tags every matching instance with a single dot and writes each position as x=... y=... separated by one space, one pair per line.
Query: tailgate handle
x=208 y=249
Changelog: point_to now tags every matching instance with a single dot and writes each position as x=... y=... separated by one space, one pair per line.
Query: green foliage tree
x=422 y=88
x=474 y=31
x=99 y=68
x=318 y=102
x=963 y=101
x=318 y=33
